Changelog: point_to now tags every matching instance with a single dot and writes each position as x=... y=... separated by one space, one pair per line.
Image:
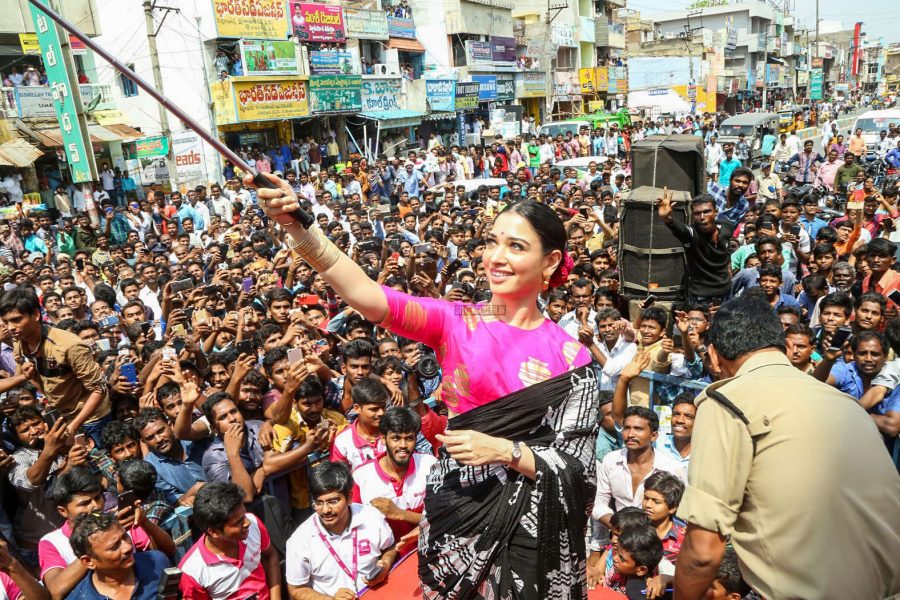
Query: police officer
x=791 y=469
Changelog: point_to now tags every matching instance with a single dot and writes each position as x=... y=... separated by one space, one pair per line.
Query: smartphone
x=103 y=344
x=430 y=269
x=200 y=315
x=181 y=285
x=169 y=353
x=126 y=499
x=395 y=255
x=651 y=299
x=294 y=355
x=308 y=300
x=324 y=424
x=169 y=584
x=145 y=326
x=51 y=417
x=110 y=321
x=129 y=372
x=178 y=345
x=384 y=209
x=795 y=230
x=178 y=330
x=247 y=284
x=320 y=345
x=79 y=263
x=80 y=440
x=422 y=248
x=453 y=267
x=839 y=338
x=894 y=296
x=583 y=211
x=244 y=347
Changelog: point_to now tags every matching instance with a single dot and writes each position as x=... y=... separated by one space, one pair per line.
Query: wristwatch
x=516 y=454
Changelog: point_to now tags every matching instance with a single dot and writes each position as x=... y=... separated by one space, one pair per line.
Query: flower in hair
x=561 y=275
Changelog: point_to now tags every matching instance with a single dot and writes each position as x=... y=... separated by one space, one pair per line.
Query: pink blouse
x=482 y=358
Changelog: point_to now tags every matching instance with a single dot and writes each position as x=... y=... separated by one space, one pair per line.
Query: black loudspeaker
x=651 y=259
x=672 y=161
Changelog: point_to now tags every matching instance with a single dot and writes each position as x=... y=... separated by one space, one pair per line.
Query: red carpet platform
x=403 y=584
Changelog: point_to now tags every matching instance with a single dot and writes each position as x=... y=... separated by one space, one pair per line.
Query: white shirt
x=310 y=563
x=151 y=301
x=616 y=359
x=714 y=155
x=409 y=494
x=351 y=448
x=570 y=323
x=547 y=153
x=107 y=178
x=222 y=207
x=795 y=144
x=614 y=480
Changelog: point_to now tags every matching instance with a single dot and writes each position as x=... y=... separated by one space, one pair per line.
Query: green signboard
x=815 y=84
x=335 y=93
x=147 y=147
x=78 y=152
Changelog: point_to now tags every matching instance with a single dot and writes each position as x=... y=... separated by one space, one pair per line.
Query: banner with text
x=366 y=24
x=189 y=165
x=269 y=57
x=263 y=19
x=335 y=93
x=503 y=49
x=506 y=87
x=381 y=94
x=467 y=94
x=317 y=22
x=398 y=27
x=268 y=101
x=441 y=94
x=478 y=53
x=487 y=87
x=331 y=63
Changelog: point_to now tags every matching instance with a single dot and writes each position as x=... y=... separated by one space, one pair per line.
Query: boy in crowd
x=636 y=556
x=728 y=584
x=599 y=564
x=662 y=495
x=362 y=441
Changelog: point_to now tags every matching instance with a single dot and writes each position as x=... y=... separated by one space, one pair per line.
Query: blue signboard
x=441 y=94
x=331 y=62
x=487 y=87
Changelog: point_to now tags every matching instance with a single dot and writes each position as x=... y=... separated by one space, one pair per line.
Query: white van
x=872 y=122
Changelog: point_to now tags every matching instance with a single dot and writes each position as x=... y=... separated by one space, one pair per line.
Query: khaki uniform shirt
x=815 y=511
x=68 y=372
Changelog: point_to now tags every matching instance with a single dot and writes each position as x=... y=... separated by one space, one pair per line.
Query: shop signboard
x=381 y=94
x=487 y=87
x=313 y=22
x=467 y=95
x=331 y=63
x=531 y=84
x=269 y=57
x=441 y=94
x=148 y=147
x=816 y=79
x=622 y=79
x=271 y=100
x=222 y=96
x=36 y=102
x=366 y=24
x=506 y=87
x=398 y=27
x=190 y=168
x=478 y=53
x=503 y=50
x=261 y=19
x=563 y=35
x=601 y=79
x=586 y=79
x=335 y=93
x=612 y=86
x=79 y=153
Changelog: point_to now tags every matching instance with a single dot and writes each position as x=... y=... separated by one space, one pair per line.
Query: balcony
x=36 y=102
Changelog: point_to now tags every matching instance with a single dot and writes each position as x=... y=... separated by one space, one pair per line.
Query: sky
x=879 y=17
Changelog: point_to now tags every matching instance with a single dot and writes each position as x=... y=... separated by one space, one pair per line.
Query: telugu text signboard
x=261 y=19
x=503 y=50
x=313 y=22
x=398 y=27
x=268 y=101
x=331 y=63
x=269 y=57
x=335 y=93
x=366 y=24
x=816 y=80
x=441 y=94
x=381 y=94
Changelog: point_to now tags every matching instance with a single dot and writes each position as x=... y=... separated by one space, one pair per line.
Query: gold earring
x=546 y=284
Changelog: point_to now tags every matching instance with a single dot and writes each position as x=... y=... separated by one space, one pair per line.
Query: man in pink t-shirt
x=15 y=580
x=362 y=441
x=234 y=558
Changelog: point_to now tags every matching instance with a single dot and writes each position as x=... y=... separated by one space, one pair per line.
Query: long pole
x=259 y=180
x=157 y=79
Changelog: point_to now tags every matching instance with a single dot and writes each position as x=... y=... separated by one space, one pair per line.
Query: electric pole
x=157 y=81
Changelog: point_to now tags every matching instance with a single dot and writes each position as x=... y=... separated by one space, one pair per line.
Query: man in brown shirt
x=58 y=362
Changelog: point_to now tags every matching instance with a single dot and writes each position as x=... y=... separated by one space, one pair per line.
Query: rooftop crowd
x=177 y=387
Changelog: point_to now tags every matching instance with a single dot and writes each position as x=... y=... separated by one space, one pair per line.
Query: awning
x=405 y=45
x=18 y=153
x=774 y=60
x=439 y=116
x=393 y=119
x=51 y=137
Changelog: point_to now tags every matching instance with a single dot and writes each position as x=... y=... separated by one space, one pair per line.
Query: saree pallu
x=490 y=532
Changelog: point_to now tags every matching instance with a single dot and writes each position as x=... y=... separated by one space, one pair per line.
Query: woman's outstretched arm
x=336 y=268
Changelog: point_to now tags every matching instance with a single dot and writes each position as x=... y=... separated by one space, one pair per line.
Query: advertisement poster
x=223 y=102
x=479 y=53
x=815 y=84
x=265 y=101
x=467 y=94
x=441 y=94
x=487 y=87
x=506 y=87
x=531 y=84
x=366 y=24
x=335 y=93
x=36 y=102
x=190 y=169
x=503 y=49
x=148 y=147
x=381 y=94
x=330 y=63
x=586 y=79
x=262 y=19
x=398 y=27
x=269 y=57
x=317 y=22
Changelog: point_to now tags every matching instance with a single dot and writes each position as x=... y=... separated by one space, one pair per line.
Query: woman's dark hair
x=745 y=324
x=545 y=222
x=400 y=419
x=214 y=503
x=644 y=545
x=139 y=476
x=330 y=477
x=77 y=480
x=87 y=525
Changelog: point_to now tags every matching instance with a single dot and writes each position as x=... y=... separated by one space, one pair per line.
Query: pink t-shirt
x=482 y=358
x=55 y=551
x=8 y=587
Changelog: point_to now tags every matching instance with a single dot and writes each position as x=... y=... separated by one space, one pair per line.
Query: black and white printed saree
x=491 y=533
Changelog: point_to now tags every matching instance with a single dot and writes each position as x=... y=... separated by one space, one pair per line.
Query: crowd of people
x=184 y=383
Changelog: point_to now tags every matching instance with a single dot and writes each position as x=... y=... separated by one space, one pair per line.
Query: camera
x=369 y=245
x=427 y=367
